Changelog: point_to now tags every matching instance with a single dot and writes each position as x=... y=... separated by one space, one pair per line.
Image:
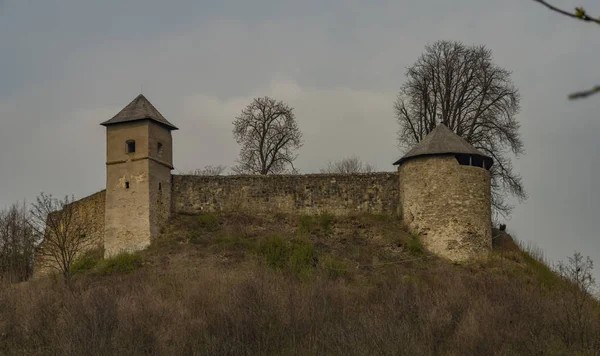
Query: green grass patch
x=202 y=238
x=543 y=273
x=296 y=256
x=235 y=242
x=321 y=224
x=208 y=221
x=87 y=261
x=124 y=262
x=415 y=246
x=335 y=267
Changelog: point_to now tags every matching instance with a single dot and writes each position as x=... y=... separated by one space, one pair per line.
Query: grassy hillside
x=296 y=285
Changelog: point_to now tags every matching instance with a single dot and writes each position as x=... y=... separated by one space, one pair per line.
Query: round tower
x=445 y=195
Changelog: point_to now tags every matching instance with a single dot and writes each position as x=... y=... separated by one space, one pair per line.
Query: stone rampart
x=91 y=209
x=336 y=194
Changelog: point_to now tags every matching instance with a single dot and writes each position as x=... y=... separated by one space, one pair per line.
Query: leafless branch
x=582 y=15
x=209 y=171
x=579 y=13
x=348 y=165
x=585 y=93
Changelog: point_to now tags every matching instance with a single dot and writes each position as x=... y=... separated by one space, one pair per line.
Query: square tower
x=139 y=160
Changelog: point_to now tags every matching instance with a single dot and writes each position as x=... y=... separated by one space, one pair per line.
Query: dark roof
x=139 y=109
x=440 y=141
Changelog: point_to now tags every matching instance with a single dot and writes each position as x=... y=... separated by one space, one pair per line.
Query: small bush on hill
x=124 y=262
x=87 y=261
x=208 y=221
x=415 y=246
x=296 y=256
x=320 y=224
x=335 y=267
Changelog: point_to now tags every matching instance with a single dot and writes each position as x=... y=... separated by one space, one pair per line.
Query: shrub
x=305 y=224
x=296 y=256
x=415 y=246
x=275 y=251
x=208 y=221
x=124 y=262
x=199 y=238
x=236 y=242
x=319 y=224
x=335 y=267
x=325 y=223
x=87 y=260
x=302 y=256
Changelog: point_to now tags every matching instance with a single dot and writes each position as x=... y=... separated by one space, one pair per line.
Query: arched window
x=160 y=149
x=130 y=146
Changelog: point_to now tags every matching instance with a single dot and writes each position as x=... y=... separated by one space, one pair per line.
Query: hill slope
x=235 y=284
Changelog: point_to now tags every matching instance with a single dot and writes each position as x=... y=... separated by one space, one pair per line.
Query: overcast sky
x=68 y=65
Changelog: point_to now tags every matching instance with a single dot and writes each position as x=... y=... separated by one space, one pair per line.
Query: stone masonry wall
x=448 y=204
x=336 y=194
x=92 y=209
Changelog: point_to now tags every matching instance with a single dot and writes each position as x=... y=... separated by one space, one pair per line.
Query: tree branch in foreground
x=578 y=14
x=585 y=93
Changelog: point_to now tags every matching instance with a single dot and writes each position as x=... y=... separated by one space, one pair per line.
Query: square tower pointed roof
x=139 y=109
x=441 y=141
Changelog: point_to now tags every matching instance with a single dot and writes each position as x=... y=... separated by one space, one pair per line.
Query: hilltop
x=232 y=283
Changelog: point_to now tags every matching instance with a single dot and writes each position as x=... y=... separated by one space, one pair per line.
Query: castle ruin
x=441 y=189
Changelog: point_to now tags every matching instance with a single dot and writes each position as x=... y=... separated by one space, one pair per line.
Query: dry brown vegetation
x=284 y=285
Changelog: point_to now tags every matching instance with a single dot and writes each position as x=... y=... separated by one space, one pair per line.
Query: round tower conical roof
x=442 y=141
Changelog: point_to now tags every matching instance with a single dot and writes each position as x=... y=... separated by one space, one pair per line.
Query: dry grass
x=230 y=285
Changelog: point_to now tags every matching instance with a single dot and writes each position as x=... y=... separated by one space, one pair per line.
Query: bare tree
x=209 y=171
x=577 y=301
x=579 y=14
x=17 y=244
x=348 y=165
x=62 y=229
x=462 y=88
x=268 y=133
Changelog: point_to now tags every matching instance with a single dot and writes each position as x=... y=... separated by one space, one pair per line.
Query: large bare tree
x=269 y=135
x=63 y=230
x=348 y=165
x=461 y=87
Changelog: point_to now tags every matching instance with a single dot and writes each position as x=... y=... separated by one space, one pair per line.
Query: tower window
x=159 y=186
x=130 y=146
x=126 y=185
x=470 y=160
x=160 y=149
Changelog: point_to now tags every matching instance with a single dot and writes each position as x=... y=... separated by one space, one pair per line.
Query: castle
x=441 y=189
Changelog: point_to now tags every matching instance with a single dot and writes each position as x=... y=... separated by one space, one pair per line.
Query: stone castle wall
x=448 y=204
x=90 y=208
x=336 y=194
